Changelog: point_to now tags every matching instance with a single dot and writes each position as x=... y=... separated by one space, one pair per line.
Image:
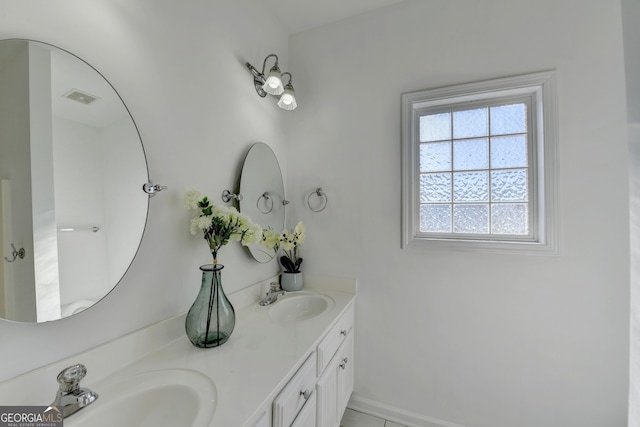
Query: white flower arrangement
x=220 y=223
x=289 y=243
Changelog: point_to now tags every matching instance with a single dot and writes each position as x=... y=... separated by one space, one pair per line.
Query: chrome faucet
x=272 y=295
x=70 y=397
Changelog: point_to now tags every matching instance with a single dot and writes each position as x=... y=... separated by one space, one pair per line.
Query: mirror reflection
x=262 y=192
x=71 y=170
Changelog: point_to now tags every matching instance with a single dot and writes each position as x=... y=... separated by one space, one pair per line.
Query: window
x=479 y=166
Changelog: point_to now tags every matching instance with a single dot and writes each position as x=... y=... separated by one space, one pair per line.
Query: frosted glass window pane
x=435 y=187
x=471 y=154
x=509 y=218
x=509 y=185
x=435 y=218
x=471 y=186
x=435 y=157
x=507 y=119
x=470 y=123
x=509 y=152
x=471 y=218
x=435 y=127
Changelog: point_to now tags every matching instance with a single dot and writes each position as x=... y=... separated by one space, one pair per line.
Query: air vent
x=80 y=96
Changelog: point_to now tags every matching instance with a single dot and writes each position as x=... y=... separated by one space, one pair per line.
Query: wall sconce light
x=272 y=84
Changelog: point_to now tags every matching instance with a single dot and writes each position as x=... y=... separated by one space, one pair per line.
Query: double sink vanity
x=287 y=364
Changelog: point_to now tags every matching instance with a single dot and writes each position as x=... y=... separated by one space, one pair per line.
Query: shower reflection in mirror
x=70 y=157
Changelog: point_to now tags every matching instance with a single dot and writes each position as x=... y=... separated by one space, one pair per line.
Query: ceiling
x=69 y=73
x=301 y=15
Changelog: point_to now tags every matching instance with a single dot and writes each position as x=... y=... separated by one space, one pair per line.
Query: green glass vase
x=211 y=318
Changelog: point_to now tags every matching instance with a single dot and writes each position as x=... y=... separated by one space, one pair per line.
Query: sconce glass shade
x=288 y=100
x=273 y=83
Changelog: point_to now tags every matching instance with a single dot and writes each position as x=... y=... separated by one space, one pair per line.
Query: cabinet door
x=344 y=376
x=295 y=394
x=307 y=417
x=335 y=386
x=326 y=395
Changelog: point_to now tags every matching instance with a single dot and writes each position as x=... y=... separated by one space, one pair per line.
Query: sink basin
x=300 y=306
x=167 y=397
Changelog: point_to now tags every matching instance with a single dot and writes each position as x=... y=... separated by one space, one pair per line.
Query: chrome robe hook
x=17 y=253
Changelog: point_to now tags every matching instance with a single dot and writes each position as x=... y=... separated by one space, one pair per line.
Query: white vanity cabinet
x=335 y=366
x=318 y=393
x=301 y=376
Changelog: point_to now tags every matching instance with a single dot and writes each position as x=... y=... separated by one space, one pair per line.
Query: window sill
x=483 y=246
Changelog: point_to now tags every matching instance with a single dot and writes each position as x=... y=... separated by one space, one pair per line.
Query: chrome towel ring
x=321 y=202
x=267 y=198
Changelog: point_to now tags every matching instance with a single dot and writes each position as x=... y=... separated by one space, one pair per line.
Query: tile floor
x=352 y=418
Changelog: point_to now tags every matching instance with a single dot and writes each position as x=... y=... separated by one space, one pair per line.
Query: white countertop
x=248 y=370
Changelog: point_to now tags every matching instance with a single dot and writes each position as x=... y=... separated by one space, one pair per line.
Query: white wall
x=180 y=70
x=99 y=175
x=475 y=339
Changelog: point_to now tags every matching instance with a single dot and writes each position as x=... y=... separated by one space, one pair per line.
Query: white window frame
x=541 y=88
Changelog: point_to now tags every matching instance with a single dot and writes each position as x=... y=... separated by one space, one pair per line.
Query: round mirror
x=262 y=192
x=72 y=165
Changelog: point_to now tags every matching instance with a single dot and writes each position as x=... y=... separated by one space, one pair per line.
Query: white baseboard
x=396 y=415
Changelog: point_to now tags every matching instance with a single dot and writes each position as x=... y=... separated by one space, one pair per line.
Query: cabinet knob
x=306 y=394
x=344 y=363
x=343 y=332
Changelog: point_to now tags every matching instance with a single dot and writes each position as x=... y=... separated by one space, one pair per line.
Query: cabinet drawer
x=329 y=345
x=295 y=394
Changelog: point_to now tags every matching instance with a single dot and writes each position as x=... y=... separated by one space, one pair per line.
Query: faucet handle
x=69 y=378
x=275 y=287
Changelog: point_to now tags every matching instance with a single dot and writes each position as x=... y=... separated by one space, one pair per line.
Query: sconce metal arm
x=258 y=76
x=258 y=80
x=290 y=76
x=264 y=63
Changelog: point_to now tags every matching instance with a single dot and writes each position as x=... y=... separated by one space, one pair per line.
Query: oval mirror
x=262 y=192
x=72 y=212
